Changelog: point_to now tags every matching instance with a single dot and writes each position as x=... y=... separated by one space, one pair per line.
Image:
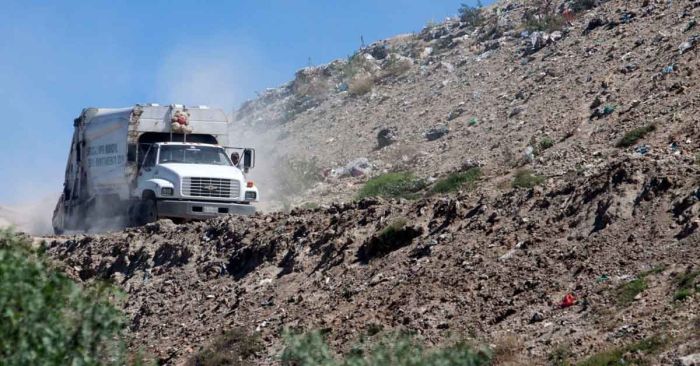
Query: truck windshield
x=188 y=154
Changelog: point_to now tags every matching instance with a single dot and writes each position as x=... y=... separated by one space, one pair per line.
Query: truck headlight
x=250 y=195
x=166 y=191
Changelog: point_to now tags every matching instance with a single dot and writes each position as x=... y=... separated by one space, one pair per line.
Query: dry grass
x=361 y=84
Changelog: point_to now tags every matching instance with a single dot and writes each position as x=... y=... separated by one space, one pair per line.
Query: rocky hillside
x=597 y=256
x=499 y=94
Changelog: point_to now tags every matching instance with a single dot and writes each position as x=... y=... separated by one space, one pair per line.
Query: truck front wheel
x=147 y=211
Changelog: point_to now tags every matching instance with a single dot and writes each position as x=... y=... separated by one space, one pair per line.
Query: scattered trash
x=603 y=111
x=675 y=149
x=529 y=154
x=602 y=278
x=473 y=121
x=536 y=317
x=455 y=113
x=689 y=44
x=342 y=87
x=568 y=300
x=627 y=17
x=593 y=24
x=642 y=150
x=386 y=137
x=668 y=69
x=354 y=168
x=436 y=133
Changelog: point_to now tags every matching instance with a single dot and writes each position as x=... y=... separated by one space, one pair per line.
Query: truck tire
x=147 y=211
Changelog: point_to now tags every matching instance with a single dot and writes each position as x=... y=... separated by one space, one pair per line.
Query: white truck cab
x=192 y=181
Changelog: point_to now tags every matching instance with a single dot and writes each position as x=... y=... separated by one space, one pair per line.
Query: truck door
x=147 y=168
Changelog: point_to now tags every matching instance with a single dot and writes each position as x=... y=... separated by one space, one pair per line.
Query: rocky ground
x=613 y=224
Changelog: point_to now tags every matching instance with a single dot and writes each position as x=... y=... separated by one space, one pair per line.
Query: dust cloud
x=222 y=76
x=31 y=217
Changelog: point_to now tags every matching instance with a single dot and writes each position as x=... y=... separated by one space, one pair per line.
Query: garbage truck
x=146 y=162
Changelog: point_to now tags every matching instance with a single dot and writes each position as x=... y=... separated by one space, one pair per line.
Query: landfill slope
x=613 y=225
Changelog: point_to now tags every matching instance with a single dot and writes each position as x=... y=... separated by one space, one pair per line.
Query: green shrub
x=47 y=319
x=616 y=356
x=470 y=15
x=631 y=137
x=526 y=178
x=308 y=349
x=546 y=143
x=686 y=284
x=455 y=181
x=392 y=185
x=625 y=293
x=578 y=6
x=545 y=17
x=311 y=350
x=233 y=347
x=394 y=236
x=560 y=356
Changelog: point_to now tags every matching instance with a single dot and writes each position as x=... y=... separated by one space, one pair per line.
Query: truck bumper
x=201 y=209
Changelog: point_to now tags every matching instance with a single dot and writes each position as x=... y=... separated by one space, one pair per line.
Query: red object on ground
x=567 y=301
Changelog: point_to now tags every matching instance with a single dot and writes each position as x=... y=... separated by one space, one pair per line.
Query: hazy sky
x=61 y=56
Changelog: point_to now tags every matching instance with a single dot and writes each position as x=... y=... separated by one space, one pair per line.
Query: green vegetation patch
x=455 y=181
x=616 y=356
x=546 y=143
x=394 y=236
x=631 y=137
x=233 y=347
x=625 y=293
x=47 y=319
x=471 y=15
x=392 y=185
x=396 y=350
x=526 y=178
x=686 y=284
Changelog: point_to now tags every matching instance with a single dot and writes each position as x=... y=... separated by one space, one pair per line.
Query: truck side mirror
x=248 y=159
x=131 y=153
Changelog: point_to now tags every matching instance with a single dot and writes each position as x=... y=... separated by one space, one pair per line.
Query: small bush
x=47 y=319
x=545 y=17
x=546 y=143
x=361 y=84
x=616 y=356
x=631 y=137
x=455 y=181
x=311 y=350
x=392 y=185
x=396 y=65
x=471 y=16
x=625 y=293
x=560 y=356
x=526 y=178
x=686 y=284
x=578 y=6
x=394 y=236
x=233 y=347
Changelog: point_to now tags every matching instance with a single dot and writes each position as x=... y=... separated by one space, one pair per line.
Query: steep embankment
x=466 y=265
x=614 y=223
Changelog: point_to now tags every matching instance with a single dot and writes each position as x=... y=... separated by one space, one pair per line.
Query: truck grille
x=210 y=187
